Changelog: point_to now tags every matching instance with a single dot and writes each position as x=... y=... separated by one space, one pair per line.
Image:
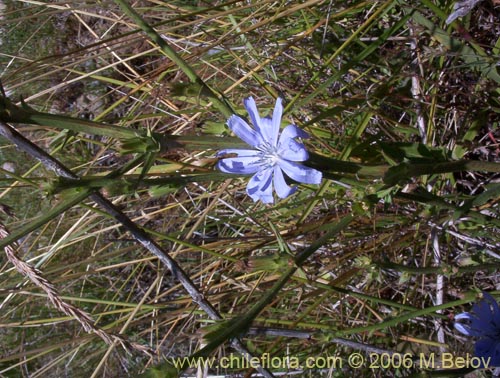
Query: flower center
x=269 y=154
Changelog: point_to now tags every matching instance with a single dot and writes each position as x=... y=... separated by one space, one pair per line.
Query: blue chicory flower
x=270 y=156
x=483 y=322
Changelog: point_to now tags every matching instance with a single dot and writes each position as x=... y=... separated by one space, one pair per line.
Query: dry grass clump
x=163 y=269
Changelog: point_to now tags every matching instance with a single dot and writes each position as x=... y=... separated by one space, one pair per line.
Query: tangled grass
x=123 y=252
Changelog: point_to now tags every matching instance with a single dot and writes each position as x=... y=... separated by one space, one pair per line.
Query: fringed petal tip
x=301 y=173
x=463 y=327
x=282 y=189
x=260 y=186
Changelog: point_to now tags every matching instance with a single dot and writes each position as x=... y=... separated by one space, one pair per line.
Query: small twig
x=280 y=332
x=439 y=286
x=292 y=333
x=327 y=21
x=416 y=91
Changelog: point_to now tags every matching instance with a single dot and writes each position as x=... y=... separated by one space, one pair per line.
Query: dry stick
x=439 y=287
x=35 y=276
x=138 y=233
x=416 y=90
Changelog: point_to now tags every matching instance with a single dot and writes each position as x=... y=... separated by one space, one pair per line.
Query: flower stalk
x=139 y=141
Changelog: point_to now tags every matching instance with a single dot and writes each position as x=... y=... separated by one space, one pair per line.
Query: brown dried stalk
x=36 y=276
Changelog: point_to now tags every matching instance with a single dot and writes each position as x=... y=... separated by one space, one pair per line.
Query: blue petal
x=280 y=185
x=289 y=148
x=260 y=186
x=486 y=315
x=269 y=128
x=495 y=358
x=253 y=113
x=266 y=129
x=276 y=123
x=300 y=173
x=244 y=131
x=292 y=131
x=482 y=309
x=479 y=327
x=464 y=325
x=488 y=347
x=483 y=321
x=494 y=309
x=242 y=165
x=463 y=329
x=238 y=152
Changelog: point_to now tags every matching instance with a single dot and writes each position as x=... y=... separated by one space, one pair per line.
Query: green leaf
x=492 y=193
x=162 y=370
x=413 y=152
x=214 y=128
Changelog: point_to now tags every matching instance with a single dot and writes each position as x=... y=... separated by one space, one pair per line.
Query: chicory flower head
x=483 y=322
x=270 y=156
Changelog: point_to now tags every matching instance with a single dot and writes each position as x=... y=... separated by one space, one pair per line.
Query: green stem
x=11 y=113
x=222 y=105
x=406 y=170
x=453 y=166
x=446 y=270
x=400 y=172
x=131 y=181
x=331 y=165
